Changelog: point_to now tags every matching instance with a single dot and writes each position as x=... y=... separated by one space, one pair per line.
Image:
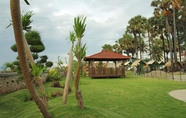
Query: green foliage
x=37 y=48
x=49 y=64
x=14 y=48
x=72 y=37
x=33 y=38
x=35 y=56
x=26 y=20
x=107 y=47
x=79 y=26
x=37 y=71
x=75 y=64
x=43 y=59
x=83 y=51
x=9 y=66
x=54 y=75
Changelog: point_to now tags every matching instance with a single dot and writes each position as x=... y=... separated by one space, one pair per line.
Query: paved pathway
x=179 y=94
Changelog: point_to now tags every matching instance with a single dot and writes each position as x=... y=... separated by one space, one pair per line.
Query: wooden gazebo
x=103 y=71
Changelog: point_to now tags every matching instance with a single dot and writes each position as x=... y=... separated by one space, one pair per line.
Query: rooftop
x=106 y=55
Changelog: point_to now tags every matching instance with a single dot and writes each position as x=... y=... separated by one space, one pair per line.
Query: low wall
x=9 y=84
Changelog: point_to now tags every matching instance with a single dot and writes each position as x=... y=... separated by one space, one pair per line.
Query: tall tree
x=70 y=65
x=79 y=28
x=157 y=49
x=19 y=38
x=137 y=27
x=127 y=45
x=35 y=43
x=163 y=9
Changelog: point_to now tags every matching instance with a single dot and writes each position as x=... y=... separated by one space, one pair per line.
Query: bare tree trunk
x=18 y=33
x=69 y=76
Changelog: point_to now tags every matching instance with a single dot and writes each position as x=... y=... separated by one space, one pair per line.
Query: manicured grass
x=130 y=97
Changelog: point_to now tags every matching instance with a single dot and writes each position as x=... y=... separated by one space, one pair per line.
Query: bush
x=54 y=75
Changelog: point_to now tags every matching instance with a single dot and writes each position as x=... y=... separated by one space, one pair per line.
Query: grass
x=130 y=97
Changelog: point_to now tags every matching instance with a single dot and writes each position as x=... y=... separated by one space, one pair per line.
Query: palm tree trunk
x=136 y=45
x=28 y=53
x=174 y=40
x=170 y=45
x=77 y=78
x=69 y=76
x=43 y=93
x=163 y=45
x=18 y=32
x=39 y=81
x=149 y=37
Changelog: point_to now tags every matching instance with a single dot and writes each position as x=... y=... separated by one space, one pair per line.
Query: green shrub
x=54 y=75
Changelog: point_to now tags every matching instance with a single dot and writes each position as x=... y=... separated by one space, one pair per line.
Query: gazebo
x=104 y=71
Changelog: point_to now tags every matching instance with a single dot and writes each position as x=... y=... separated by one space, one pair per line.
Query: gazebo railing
x=106 y=72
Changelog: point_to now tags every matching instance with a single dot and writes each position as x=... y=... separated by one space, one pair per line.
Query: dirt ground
x=176 y=76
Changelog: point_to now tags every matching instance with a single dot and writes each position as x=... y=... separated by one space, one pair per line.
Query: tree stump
x=80 y=100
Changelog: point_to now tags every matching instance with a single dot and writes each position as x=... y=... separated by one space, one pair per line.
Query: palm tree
x=163 y=9
x=149 y=28
x=181 y=28
x=142 y=47
x=69 y=74
x=176 y=4
x=79 y=28
x=127 y=44
x=107 y=47
x=137 y=26
x=117 y=48
x=157 y=49
x=19 y=38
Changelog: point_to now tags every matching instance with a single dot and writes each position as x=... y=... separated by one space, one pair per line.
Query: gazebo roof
x=106 y=56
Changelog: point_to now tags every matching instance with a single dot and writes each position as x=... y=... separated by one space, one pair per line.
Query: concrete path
x=179 y=94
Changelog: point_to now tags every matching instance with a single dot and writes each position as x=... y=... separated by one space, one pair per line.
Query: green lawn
x=130 y=97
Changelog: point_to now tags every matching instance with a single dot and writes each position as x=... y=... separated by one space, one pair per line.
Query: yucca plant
x=37 y=72
x=69 y=74
x=79 y=28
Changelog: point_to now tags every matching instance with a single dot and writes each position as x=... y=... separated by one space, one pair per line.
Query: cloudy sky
x=53 y=19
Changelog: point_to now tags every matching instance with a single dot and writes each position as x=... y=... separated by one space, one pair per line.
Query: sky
x=53 y=19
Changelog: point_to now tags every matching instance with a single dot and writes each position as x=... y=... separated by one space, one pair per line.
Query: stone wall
x=9 y=84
